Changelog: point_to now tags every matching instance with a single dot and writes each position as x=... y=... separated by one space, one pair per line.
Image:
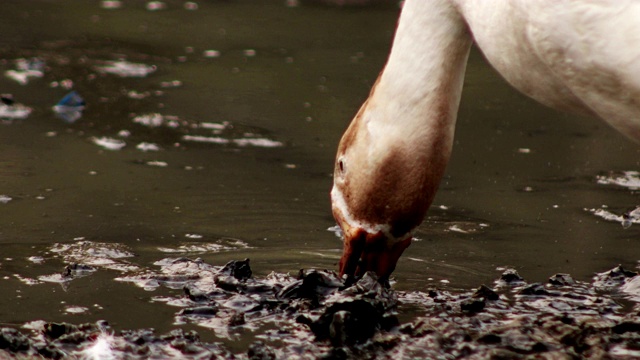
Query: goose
x=576 y=56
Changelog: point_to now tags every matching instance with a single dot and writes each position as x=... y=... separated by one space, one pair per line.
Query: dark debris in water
x=316 y=315
x=74 y=270
x=7 y=99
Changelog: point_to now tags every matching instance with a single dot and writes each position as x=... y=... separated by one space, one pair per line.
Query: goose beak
x=364 y=251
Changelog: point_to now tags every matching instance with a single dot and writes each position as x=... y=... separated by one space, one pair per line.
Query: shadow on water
x=209 y=132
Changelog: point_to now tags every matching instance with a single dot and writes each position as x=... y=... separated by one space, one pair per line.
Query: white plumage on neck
x=407 y=125
x=421 y=84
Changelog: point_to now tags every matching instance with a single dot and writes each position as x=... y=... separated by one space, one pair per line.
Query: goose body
x=578 y=56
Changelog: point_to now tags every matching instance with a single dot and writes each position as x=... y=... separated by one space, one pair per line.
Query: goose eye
x=341 y=166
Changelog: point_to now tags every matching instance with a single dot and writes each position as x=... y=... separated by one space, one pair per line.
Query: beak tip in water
x=370 y=252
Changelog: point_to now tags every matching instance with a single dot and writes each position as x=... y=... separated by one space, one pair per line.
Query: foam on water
x=125 y=68
x=109 y=143
x=627 y=179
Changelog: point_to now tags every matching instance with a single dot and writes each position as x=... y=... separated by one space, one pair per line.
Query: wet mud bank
x=317 y=315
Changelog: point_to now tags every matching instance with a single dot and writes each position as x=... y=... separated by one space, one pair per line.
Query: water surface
x=266 y=90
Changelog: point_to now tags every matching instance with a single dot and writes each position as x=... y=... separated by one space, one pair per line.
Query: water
x=518 y=192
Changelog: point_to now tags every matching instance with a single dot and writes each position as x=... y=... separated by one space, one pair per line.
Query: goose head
x=393 y=154
x=385 y=178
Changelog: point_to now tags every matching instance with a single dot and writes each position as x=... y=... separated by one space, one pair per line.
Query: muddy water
x=246 y=102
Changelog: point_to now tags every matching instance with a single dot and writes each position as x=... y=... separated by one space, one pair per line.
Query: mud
x=316 y=314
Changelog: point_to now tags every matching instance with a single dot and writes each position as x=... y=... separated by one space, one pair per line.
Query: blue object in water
x=70 y=107
x=72 y=99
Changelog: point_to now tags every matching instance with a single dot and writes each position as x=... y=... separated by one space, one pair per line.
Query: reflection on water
x=235 y=109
